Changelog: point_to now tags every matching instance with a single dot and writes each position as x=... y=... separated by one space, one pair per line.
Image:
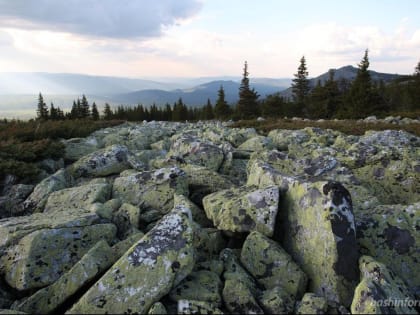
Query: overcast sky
x=189 y=38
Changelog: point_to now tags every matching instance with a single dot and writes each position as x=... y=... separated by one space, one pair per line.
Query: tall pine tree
x=95 y=112
x=42 y=109
x=84 y=108
x=107 y=112
x=247 y=106
x=300 y=86
x=221 y=109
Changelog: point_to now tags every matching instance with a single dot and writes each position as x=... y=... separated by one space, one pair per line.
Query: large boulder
x=271 y=266
x=41 y=257
x=76 y=148
x=110 y=160
x=243 y=209
x=147 y=271
x=317 y=228
x=198 y=152
x=389 y=233
x=46 y=300
x=152 y=190
x=12 y=203
x=381 y=291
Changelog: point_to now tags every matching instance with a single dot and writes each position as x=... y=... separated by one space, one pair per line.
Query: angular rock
x=198 y=214
x=80 y=197
x=381 y=291
x=257 y=143
x=11 y=204
x=127 y=220
x=46 y=300
x=198 y=152
x=44 y=255
x=121 y=247
x=158 y=308
x=318 y=230
x=201 y=285
x=152 y=189
x=240 y=290
x=76 y=148
x=312 y=304
x=389 y=233
x=110 y=160
x=147 y=271
x=243 y=209
x=271 y=266
x=208 y=243
x=37 y=199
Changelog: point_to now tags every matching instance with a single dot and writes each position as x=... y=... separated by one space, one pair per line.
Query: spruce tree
x=300 y=85
x=95 y=112
x=208 y=111
x=221 y=109
x=107 y=112
x=42 y=109
x=84 y=108
x=53 y=112
x=247 y=106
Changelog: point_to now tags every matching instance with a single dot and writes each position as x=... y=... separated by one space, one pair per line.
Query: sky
x=201 y=38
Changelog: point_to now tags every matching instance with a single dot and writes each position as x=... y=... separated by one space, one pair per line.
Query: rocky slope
x=202 y=218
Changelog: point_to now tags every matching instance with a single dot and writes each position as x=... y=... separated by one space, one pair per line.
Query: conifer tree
x=42 y=109
x=208 y=111
x=53 y=112
x=247 y=106
x=221 y=109
x=84 y=108
x=107 y=112
x=300 y=85
x=95 y=112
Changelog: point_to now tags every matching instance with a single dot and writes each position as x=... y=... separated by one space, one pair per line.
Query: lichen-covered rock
x=271 y=266
x=389 y=233
x=197 y=307
x=152 y=189
x=276 y=301
x=240 y=290
x=147 y=271
x=200 y=285
x=41 y=257
x=80 y=197
x=198 y=152
x=46 y=300
x=121 y=247
x=110 y=160
x=381 y=291
x=127 y=220
x=243 y=209
x=312 y=304
x=282 y=138
x=318 y=230
x=37 y=199
x=257 y=143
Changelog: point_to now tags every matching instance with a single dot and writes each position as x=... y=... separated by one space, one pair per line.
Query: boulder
x=381 y=291
x=46 y=300
x=389 y=233
x=240 y=290
x=110 y=160
x=76 y=148
x=11 y=204
x=80 y=197
x=197 y=307
x=276 y=301
x=257 y=143
x=152 y=189
x=127 y=220
x=317 y=228
x=200 y=285
x=37 y=199
x=198 y=152
x=157 y=308
x=243 y=209
x=43 y=256
x=147 y=271
x=271 y=266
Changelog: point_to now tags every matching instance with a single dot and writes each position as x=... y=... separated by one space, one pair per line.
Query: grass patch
x=350 y=127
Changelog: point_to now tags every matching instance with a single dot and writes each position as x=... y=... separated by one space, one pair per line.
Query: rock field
x=160 y=217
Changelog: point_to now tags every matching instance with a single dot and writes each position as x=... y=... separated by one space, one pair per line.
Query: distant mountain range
x=19 y=91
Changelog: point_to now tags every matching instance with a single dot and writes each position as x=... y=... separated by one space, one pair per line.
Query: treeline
x=333 y=98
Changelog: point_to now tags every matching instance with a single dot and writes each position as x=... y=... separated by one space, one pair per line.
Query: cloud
x=98 y=18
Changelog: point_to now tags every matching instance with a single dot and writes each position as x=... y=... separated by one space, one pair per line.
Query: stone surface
x=312 y=304
x=271 y=266
x=381 y=291
x=147 y=271
x=243 y=209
